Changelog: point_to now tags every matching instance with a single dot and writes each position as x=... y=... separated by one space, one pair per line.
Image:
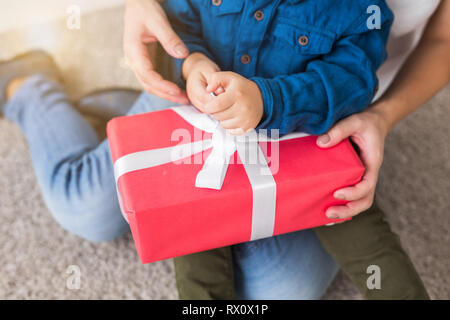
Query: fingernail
x=180 y=50
x=324 y=139
x=172 y=93
x=332 y=216
x=339 y=195
x=220 y=90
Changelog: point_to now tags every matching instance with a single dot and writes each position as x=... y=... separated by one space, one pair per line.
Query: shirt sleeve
x=186 y=22
x=339 y=84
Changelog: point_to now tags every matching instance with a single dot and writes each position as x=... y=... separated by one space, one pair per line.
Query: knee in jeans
x=83 y=199
x=95 y=218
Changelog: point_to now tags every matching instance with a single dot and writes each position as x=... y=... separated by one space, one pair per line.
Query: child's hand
x=240 y=108
x=196 y=68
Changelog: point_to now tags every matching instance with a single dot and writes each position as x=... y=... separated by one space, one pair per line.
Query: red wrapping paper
x=170 y=217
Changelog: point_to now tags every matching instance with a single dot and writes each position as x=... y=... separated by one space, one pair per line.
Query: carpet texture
x=36 y=253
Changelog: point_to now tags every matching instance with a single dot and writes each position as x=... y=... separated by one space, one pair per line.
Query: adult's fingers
x=350 y=209
x=371 y=153
x=155 y=81
x=137 y=55
x=157 y=90
x=180 y=100
x=162 y=30
x=362 y=194
x=360 y=190
x=340 y=131
x=138 y=59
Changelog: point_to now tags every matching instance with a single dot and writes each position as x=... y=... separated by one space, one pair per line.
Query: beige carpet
x=36 y=253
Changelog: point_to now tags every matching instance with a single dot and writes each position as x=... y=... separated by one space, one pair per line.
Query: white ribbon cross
x=213 y=172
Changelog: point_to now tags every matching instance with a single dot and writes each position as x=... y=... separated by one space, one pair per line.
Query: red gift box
x=170 y=216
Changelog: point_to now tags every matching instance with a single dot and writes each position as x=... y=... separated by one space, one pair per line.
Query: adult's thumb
x=170 y=41
x=340 y=131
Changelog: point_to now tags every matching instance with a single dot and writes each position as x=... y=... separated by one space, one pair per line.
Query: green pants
x=366 y=240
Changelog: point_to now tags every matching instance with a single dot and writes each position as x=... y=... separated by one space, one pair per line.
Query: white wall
x=20 y=13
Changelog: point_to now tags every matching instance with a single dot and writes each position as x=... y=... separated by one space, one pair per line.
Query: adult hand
x=368 y=130
x=145 y=23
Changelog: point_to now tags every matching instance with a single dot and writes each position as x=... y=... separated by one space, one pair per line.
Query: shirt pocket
x=223 y=7
x=220 y=23
x=299 y=43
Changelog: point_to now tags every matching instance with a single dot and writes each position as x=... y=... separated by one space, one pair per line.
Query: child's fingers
x=216 y=80
x=236 y=132
x=230 y=124
x=219 y=90
x=219 y=103
x=213 y=83
x=215 y=91
x=225 y=114
x=213 y=87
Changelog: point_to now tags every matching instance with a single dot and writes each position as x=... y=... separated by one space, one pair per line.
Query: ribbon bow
x=213 y=172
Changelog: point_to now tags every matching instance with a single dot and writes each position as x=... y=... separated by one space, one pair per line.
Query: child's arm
x=339 y=84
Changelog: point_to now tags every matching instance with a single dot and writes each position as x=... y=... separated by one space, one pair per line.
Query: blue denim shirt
x=314 y=61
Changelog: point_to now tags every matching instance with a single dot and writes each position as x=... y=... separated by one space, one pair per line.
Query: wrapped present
x=186 y=186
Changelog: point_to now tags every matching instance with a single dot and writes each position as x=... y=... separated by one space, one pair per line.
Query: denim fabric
x=75 y=173
x=73 y=168
x=287 y=266
x=305 y=86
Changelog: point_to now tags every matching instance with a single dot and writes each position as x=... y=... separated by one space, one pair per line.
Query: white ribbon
x=215 y=166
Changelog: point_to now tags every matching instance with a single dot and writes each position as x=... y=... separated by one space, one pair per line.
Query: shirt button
x=217 y=2
x=245 y=59
x=303 y=40
x=259 y=15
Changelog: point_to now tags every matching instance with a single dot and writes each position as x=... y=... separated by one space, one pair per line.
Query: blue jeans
x=75 y=173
